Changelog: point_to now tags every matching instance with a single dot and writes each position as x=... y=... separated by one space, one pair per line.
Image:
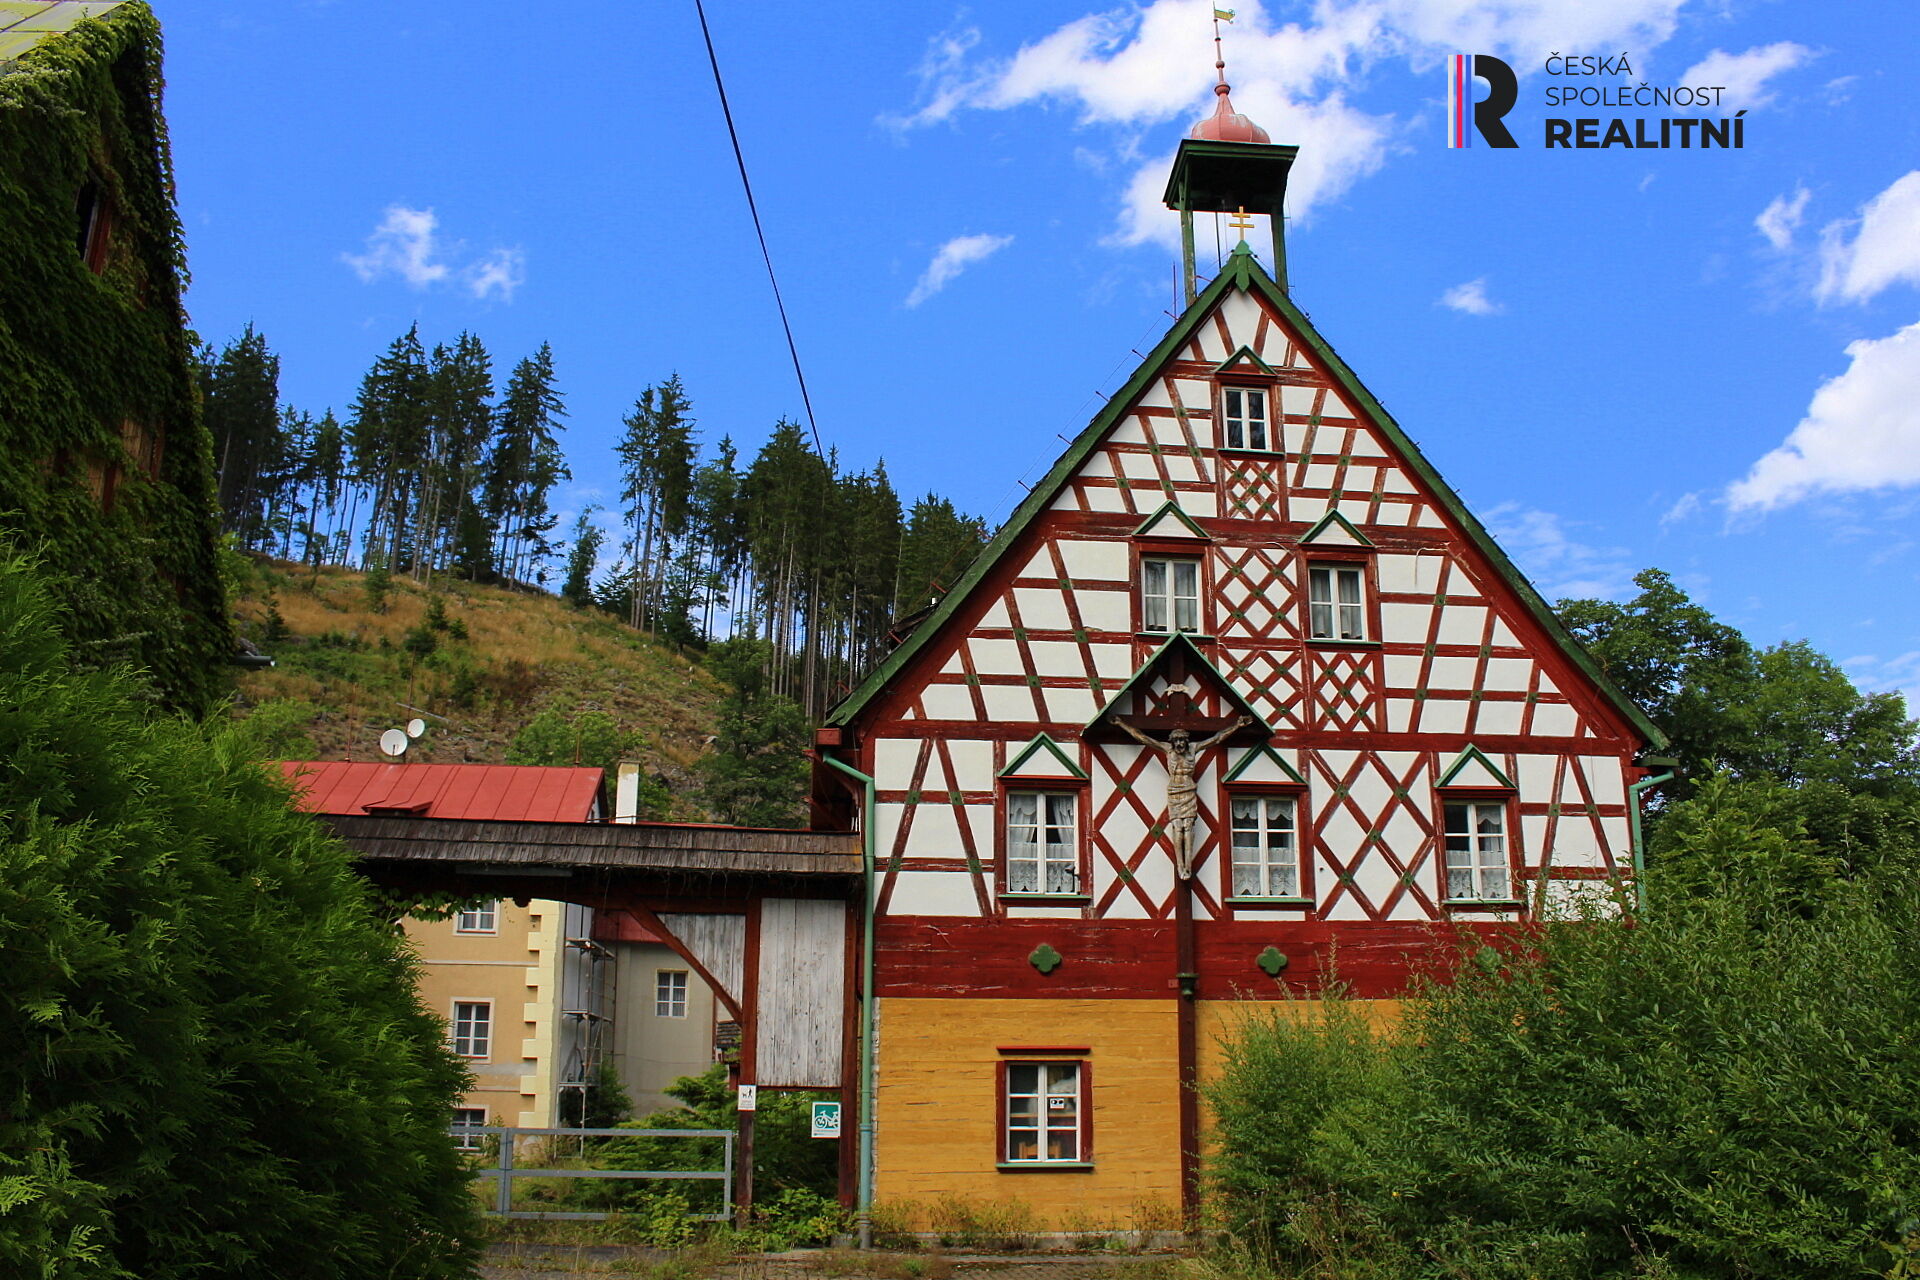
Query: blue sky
x=1706 y=361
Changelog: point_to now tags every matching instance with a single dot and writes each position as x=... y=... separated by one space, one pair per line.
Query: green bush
x=1727 y=1086
x=211 y=1061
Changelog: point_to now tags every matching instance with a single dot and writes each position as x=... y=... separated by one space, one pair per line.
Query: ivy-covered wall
x=105 y=467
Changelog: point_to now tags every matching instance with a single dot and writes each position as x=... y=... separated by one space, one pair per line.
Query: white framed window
x=1337 y=602
x=465 y=1121
x=479 y=920
x=670 y=993
x=1266 y=858
x=473 y=1028
x=1043 y=846
x=1477 y=869
x=1244 y=411
x=1044 y=1113
x=1169 y=594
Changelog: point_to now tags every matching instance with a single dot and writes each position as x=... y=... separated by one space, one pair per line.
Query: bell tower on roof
x=1228 y=164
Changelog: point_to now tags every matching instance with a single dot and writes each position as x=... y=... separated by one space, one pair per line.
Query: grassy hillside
x=349 y=665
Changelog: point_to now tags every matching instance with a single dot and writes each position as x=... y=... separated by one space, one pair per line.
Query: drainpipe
x=864 y=1203
x=1633 y=817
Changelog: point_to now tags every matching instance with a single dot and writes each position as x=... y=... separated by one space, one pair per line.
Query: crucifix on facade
x=1180 y=720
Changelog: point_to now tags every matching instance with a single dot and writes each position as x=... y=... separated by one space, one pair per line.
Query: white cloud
x=953 y=257
x=1901 y=674
x=1885 y=250
x=1559 y=565
x=1861 y=431
x=1780 y=219
x=1744 y=76
x=1133 y=67
x=407 y=244
x=1471 y=298
x=499 y=272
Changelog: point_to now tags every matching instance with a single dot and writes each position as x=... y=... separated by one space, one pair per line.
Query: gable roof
x=497 y=792
x=1242 y=272
x=1180 y=645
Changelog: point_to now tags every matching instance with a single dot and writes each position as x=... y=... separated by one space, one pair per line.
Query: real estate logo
x=1487 y=117
x=1488 y=113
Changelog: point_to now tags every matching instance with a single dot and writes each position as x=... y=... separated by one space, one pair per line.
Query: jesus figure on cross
x=1183 y=801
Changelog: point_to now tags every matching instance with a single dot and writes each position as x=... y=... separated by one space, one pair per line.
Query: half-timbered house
x=1240 y=695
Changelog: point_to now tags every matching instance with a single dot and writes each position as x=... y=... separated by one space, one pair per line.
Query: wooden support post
x=849 y=1153
x=749 y=1063
x=1186 y=250
x=1187 y=1031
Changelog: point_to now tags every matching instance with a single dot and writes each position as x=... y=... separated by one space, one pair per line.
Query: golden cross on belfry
x=1241 y=223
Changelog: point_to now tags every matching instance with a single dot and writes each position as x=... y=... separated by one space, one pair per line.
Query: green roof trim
x=1254 y=755
x=1468 y=757
x=1194 y=656
x=1245 y=353
x=1241 y=272
x=1169 y=508
x=1334 y=517
x=1043 y=743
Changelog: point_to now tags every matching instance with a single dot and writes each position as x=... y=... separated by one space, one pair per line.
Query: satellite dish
x=394 y=743
x=416 y=727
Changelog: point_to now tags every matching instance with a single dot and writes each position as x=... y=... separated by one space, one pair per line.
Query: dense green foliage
x=757 y=773
x=1786 y=712
x=106 y=465
x=593 y=739
x=1727 y=1086
x=211 y=1060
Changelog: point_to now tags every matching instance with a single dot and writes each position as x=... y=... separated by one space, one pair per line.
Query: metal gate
x=504 y=1170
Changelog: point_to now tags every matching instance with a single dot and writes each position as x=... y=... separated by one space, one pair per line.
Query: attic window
x=1244 y=411
x=91 y=223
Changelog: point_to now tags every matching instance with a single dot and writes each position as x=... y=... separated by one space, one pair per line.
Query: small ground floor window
x=1044 y=1113
x=465 y=1121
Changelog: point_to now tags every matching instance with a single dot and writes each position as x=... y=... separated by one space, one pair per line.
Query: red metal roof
x=499 y=792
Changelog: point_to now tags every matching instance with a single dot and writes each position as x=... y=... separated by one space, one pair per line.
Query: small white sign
x=826 y=1120
x=1058 y=1104
x=749 y=1097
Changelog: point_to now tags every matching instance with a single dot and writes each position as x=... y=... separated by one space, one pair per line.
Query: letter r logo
x=1503 y=90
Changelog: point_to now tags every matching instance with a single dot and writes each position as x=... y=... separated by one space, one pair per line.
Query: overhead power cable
x=741 y=160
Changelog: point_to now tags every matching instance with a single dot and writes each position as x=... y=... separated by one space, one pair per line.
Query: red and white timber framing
x=1462 y=672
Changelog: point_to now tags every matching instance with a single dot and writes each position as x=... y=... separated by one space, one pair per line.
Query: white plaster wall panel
x=1533 y=836
x=1182 y=468
x=1397 y=573
x=1006 y=702
x=1094 y=560
x=1443 y=715
x=1057 y=658
x=1533 y=774
x=1500 y=719
x=1400 y=715
x=1296 y=401
x=1319 y=476
x=1347 y=908
x=1370 y=791
x=1336 y=409
x=886 y=824
x=1293 y=437
x=1555 y=720
x=1367 y=445
x=1205 y=346
x=893 y=763
x=1503 y=635
x=1429 y=519
x=1508 y=675
x=1571 y=899
x=1463 y=624
x=1140 y=466
x=947 y=702
x=1039 y=564
x=1201 y=506
x=1619 y=838
x=1359 y=479
x=1547 y=684
x=1041 y=911
x=973 y=762
x=1154 y=876
x=1404 y=623
x=1042 y=608
x=1106 y=611
x=1452 y=673
x=933 y=893
x=1574 y=844
x=1355 y=509
x=1114 y=663
x=1074 y=705
x=996 y=614
x=1375 y=878
x=1127 y=431
x=955 y=665
x=1168 y=432
x=995 y=657
x=936 y=828
x=1398 y=481
x=1097 y=463
x=1395 y=514
x=1195 y=394
x=1305 y=510
x=1605 y=779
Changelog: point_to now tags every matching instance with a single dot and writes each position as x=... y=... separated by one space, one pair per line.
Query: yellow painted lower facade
x=938 y=1107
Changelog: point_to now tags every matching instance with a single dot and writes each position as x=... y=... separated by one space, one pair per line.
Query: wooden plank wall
x=802 y=993
x=717 y=941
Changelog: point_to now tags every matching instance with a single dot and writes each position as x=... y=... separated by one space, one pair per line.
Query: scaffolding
x=586 y=1009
